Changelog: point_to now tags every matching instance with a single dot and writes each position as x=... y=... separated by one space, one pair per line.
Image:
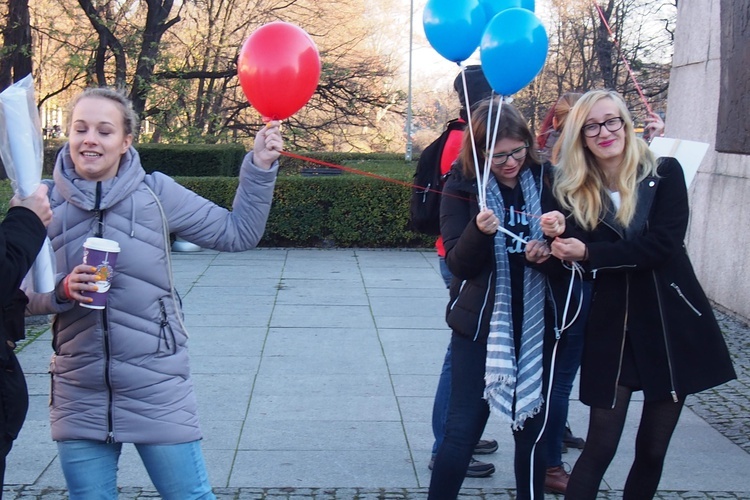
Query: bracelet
x=66 y=288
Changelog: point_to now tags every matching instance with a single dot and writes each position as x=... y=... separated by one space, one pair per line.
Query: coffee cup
x=102 y=254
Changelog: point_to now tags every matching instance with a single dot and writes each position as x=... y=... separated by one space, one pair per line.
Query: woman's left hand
x=268 y=145
x=537 y=251
x=569 y=249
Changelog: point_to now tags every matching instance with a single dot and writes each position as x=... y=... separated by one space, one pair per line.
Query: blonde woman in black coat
x=651 y=327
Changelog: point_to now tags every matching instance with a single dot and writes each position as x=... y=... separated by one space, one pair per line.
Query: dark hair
x=477 y=86
x=511 y=125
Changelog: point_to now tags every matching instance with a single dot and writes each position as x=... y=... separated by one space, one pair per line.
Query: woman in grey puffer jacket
x=121 y=374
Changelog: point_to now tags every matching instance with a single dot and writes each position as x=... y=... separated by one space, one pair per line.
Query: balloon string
x=491 y=146
x=622 y=56
x=387 y=179
x=481 y=198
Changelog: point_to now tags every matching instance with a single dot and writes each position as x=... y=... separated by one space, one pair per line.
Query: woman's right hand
x=81 y=278
x=654 y=127
x=487 y=221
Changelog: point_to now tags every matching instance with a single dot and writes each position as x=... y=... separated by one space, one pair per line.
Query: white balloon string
x=575 y=270
x=491 y=149
x=512 y=235
x=471 y=132
x=482 y=181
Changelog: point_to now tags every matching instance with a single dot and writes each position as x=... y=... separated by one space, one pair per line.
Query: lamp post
x=407 y=156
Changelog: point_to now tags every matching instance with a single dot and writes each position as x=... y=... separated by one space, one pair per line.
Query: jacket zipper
x=682 y=296
x=673 y=392
x=165 y=331
x=99 y=232
x=624 y=334
x=594 y=271
x=460 y=289
x=484 y=305
x=107 y=381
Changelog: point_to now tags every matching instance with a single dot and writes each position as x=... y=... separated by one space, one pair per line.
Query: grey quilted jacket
x=122 y=374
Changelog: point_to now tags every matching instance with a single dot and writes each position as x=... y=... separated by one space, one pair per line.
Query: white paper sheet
x=688 y=153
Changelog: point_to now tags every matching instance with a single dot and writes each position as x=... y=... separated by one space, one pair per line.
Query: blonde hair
x=511 y=125
x=579 y=181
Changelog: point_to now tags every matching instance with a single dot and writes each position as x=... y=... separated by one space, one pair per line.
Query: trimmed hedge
x=342 y=211
x=199 y=160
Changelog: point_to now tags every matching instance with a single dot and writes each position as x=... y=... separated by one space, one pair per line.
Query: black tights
x=658 y=421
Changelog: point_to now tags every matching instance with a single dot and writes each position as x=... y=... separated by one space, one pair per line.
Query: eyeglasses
x=594 y=129
x=517 y=154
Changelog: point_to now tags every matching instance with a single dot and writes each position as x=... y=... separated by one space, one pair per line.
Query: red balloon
x=279 y=69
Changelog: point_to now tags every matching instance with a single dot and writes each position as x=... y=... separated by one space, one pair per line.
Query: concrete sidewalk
x=315 y=372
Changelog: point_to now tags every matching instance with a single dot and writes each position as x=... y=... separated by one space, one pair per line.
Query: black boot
x=570 y=440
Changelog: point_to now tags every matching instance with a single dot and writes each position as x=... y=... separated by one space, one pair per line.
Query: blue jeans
x=568 y=359
x=445 y=272
x=177 y=470
x=467 y=416
x=440 y=405
x=443 y=393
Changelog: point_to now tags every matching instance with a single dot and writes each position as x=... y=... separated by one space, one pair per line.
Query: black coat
x=645 y=288
x=21 y=237
x=470 y=257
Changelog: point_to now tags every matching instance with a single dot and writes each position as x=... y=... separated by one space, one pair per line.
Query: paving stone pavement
x=328 y=294
x=727 y=408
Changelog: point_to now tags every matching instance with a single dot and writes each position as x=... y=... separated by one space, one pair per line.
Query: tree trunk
x=156 y=25
x=604 y=47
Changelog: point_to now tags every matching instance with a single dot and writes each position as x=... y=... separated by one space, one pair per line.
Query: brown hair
x=511 y=125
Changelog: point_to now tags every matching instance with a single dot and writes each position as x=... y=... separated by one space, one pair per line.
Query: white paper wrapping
x=22 y=153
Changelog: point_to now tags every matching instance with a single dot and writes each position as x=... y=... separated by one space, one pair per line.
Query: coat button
x=651 y=184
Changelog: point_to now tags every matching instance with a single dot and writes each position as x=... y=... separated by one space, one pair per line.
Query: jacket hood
x=82 y=193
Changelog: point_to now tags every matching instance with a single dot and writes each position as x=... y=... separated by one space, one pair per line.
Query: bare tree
x=583 y=54
x=184 y=78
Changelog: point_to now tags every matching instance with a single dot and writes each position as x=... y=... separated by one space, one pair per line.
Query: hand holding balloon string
x=268 y=145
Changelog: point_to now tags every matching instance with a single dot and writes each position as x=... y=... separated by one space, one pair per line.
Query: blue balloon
x=494 y=7
x=513 y=50
x=454 y=27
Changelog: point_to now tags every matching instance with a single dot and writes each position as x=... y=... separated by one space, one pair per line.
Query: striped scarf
x=507 y=374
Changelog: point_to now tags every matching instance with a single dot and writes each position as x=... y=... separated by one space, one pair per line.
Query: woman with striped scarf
x=497 y=302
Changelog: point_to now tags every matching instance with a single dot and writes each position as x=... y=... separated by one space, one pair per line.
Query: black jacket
x=470 y=257
x=21 y=237
x=645 y=289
